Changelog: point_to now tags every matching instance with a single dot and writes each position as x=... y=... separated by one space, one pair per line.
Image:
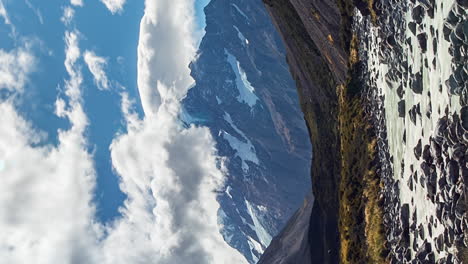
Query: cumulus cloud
x=68 y=14
x=76 y=2
x=165 y=50
x=46 y=192
x=114 y=6
x=14 y=68
x=169 y=173
x=45 y=195
x=96 y=66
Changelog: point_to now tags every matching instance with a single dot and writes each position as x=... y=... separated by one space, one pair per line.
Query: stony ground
x=416 y=71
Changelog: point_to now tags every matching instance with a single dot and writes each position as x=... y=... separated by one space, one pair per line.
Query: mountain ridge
x=246 y=96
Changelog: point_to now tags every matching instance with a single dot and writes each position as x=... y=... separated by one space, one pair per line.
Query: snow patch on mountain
x=227 y=230
x=262 y=233
x=246 y=90
x=228 y=119
x=228 y=191
x=254 y=247
x=244 y=147
x=241 y=12
x=186 y=118
x=241 y=36
x=244 y=150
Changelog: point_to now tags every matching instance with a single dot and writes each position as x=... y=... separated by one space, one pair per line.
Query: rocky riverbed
x=415 y=56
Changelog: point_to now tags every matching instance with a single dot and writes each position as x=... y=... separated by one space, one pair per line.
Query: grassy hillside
x=362 y=234
x=347 y=219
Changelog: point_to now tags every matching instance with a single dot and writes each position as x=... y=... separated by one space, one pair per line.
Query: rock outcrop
x=312 y=32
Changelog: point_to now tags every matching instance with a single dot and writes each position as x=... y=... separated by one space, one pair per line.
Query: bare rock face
x=292 y=245
x=312 y=32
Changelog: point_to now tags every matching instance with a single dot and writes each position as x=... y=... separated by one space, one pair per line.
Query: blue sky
x=200 y=15
x=113 y=37
x=86 y=176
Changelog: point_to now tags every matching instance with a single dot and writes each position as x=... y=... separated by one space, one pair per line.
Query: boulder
x=453 y=172
x=422 y=39
x=442 y=183
x=463 y=3
x=460 y=208
x=452 y=86
x=464 y=117
x=418 y=150
x=400 y=91
x=418 y=14
x=417 y=84
x=426 y=154
x=401 y=108
x=441 y=129
x=436 y=151
x=412 y=114
x=425 y=169
x=412 y=27
x=439 y=242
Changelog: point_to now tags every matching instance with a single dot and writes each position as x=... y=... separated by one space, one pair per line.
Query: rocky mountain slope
x=389 y=167
x=245 y=94
x=312 y=33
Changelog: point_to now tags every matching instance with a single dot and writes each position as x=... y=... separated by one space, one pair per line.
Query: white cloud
x=165 y=50
x=76 y=2
x=96 y=66
x=114 y=6
x=14 y=68
x=72 y=54
x=36 y=11
x=45 y=196
x=169 y=173
x=4 y=14
x=6 y=19
x=68 y=14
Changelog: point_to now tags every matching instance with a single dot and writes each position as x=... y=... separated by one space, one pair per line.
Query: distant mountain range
x=246 y=95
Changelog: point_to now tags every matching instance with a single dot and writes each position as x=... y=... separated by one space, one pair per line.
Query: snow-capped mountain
x=245 y=94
